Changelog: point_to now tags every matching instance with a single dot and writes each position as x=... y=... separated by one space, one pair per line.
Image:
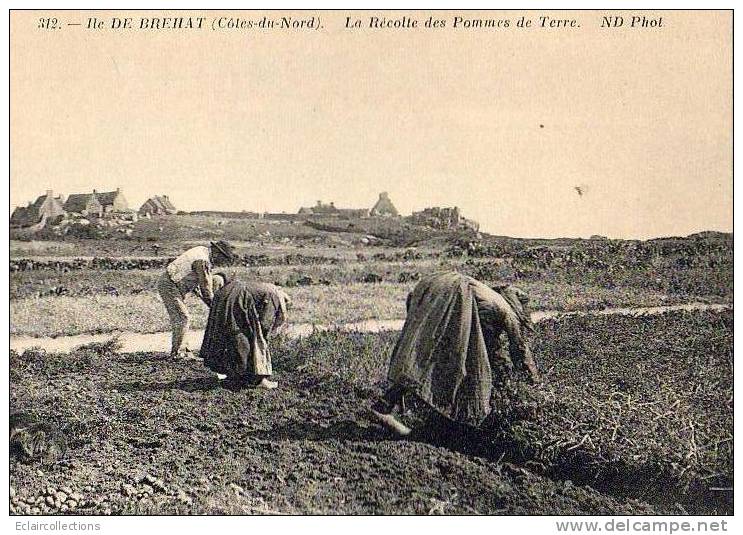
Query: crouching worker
x=460 y=336
x=190 y=273
x=242 y=318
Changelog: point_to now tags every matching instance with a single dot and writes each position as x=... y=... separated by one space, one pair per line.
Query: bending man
x=242 y=318
x=458 y=337
x=190 y=273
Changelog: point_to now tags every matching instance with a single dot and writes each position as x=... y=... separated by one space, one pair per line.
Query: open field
x=165 y=231
x=145 y=313
x=344 y=285
x=635 y=418
x=698 y=283
x=327 y=305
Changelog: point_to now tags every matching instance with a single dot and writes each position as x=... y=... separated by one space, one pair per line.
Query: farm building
x=112 y=201
x=331 y=210
x=97 y=203
x=157 y=205
x=384 y=206
x=442 y=218
x=84 y=203
x=320 y=208
x=46 y=207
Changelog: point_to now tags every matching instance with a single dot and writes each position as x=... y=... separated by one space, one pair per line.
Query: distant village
x=111 y=209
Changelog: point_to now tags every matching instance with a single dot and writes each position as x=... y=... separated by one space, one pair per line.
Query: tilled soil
x=147 y=435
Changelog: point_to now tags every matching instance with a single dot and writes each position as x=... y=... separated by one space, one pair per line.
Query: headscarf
x=518 y=299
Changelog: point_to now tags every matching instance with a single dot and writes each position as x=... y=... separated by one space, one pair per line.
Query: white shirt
x=181 y=269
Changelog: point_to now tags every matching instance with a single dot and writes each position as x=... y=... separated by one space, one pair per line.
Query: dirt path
x=159 y=342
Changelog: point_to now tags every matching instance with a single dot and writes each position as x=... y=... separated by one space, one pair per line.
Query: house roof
x=77 y=202
x=107 y=198
x=319 y=208
x=33 y=212
x=165 y=201
x=22 y=215
x=159 y=203
x=153 y=204
x=384 y=206
x=324 y=209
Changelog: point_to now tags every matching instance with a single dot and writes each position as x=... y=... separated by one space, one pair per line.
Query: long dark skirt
x=234 y=342
x=442 y=353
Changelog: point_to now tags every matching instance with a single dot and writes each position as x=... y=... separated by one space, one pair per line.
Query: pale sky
x=503 y=123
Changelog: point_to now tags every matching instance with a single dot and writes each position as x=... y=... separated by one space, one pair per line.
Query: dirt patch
x=149 y=435
x=154 y=436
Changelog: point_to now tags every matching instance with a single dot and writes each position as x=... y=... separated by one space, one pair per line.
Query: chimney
x=384 y=195
x=49 y=194
x=118 y=190
x=319 y=203
x=94 y=191
x=332 y=204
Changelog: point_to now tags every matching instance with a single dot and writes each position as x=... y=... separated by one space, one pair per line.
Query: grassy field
x=50 y=302
x=635 y=417
x=86 y=282
x=40 y=249
x=195 y=227
x=701 y=283
x=143 y=312
x=638 y=404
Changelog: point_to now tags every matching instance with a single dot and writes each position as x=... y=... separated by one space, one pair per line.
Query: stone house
x=86 y=204
x=45 y=208
x=112 y=201
x=384 y=206
x=157 y=205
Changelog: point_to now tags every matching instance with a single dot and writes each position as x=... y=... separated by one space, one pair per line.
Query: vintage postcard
x=327 y=262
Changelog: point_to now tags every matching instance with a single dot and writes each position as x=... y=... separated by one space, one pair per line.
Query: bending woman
x=242 y=318
x=459 y=336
